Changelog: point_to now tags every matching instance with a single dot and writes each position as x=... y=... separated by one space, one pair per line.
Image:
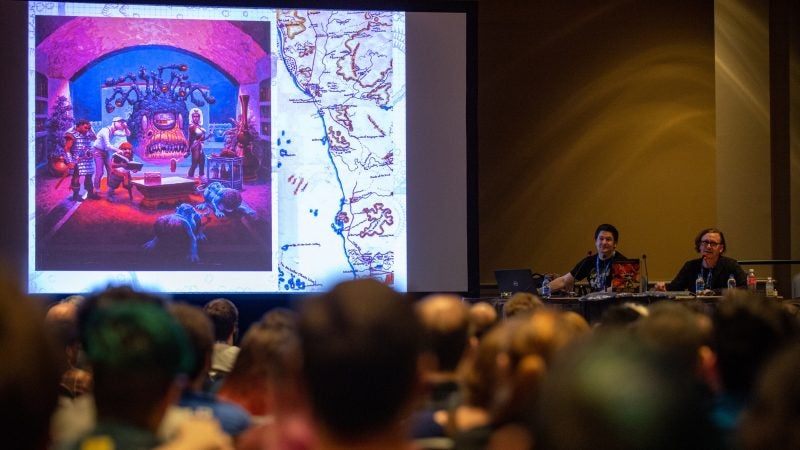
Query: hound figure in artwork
x=177 y=233
x=223 y=200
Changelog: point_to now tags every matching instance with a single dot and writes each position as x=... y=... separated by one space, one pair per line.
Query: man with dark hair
x=712 y=267
x=360 y=343
x=225 y=317
x=233 y=419
x=594 y=268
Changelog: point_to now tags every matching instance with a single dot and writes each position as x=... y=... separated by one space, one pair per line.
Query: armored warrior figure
x=79 y=155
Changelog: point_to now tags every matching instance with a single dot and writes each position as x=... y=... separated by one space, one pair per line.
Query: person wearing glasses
x=712 y=266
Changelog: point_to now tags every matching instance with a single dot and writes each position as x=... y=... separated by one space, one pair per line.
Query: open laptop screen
x=625 y=275
x=510 y=281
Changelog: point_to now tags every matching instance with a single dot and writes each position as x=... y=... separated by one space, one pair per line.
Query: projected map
x=307 y=137
x=344 y=165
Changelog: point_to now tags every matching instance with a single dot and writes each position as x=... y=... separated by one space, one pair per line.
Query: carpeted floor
x=109 y=235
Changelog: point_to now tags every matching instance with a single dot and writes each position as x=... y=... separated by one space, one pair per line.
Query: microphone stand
x=645 y=285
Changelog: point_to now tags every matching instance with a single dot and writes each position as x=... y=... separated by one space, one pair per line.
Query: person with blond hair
x=197 y=135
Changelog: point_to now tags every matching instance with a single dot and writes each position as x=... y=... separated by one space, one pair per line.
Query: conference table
x=591 y=306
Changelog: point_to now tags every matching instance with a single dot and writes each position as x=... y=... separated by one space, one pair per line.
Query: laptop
x=625 y=276
x=510 y=281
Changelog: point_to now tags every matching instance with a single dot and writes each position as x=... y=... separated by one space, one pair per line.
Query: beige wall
x=743 y=126
x=643 y=114
x=608 y=116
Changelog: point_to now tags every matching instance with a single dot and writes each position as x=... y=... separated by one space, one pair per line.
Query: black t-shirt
x=597 y=271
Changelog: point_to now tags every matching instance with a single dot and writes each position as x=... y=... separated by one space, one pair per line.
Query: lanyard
x=707 y=277
x=601 y=276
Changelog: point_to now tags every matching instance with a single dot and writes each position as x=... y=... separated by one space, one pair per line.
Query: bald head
x=62 y=312
x=445 y=319
x=442 y=312
x=482 y=316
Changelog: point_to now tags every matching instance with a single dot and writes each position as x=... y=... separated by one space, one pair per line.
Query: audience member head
x=278 y=318
x=62 y=322
x=65 y=309
x=677 y=333
x=612 y=392
x=770 y=422
x=792 y=308
x=482 y=317
x=576 y=323
x=29 y=372
x=137 y=352
x=200 y=332
x=621 y=315
x=445 y=321
x=522 y=303
x=748 y=329
x=225 y=317
x=110 y=296
x=360 y=343
x=511 y=359
x=285 y=359
x=265 y=350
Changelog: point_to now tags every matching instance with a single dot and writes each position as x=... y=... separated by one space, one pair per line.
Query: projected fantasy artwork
x=213 y=149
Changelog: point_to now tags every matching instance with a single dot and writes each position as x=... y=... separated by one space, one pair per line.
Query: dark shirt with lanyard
x=596 y=270
x=716 y=278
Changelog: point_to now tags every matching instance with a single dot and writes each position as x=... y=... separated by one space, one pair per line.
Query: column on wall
x=744 y=211
x=57 y=87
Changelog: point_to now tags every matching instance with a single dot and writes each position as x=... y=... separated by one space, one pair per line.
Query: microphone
x=645 y=285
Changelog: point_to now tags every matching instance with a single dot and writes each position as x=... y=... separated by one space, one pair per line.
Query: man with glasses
x=714 y=268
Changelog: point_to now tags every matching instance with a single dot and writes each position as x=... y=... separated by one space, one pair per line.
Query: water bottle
x=731 y=282
x=546 y=288
x=751 y=280
x=770 y=288
x=699 y=285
